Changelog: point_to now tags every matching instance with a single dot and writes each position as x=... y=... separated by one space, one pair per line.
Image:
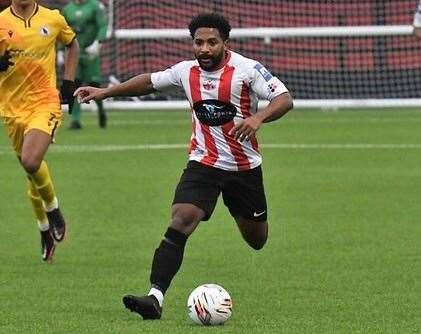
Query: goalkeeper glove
x=5 y=61
x=93 y=49
x=60 y=58
x=67 y=89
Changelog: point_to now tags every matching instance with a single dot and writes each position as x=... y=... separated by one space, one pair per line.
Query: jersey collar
x=28 y=21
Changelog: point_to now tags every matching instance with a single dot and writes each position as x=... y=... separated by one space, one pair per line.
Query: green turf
x=343 y=256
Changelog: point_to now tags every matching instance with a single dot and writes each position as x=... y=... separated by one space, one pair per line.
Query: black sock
x=167 y=259
x=100 y=106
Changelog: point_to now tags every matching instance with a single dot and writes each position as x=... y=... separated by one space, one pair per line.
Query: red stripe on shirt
x=193 y=141
x=212 y=152
x=194 y=81
x=224 y=95
x=245 y=110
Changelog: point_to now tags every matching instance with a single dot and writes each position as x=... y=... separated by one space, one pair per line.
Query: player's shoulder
x=185 y=65
x=97 y=4
x=48 y=12
x=242 y=62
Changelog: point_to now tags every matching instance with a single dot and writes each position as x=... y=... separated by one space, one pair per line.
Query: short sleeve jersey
x=219 y=100
x=31 y=81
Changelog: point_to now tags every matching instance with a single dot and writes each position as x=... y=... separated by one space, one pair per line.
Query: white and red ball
x=209 y=304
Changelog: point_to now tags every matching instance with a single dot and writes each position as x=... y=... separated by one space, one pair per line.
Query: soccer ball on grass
x=209 y=304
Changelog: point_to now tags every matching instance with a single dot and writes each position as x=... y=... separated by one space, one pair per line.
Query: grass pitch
x=343 y=255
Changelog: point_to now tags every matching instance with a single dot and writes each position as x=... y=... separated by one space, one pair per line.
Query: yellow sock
x=36 y=201
x=44 y=185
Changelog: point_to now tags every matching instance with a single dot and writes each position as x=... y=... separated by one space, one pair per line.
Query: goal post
x=329 y=53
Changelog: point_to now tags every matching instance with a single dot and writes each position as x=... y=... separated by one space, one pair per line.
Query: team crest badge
x=209 y=84
x=44 y=31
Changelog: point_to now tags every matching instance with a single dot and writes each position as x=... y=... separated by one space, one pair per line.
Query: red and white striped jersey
x=219 y=100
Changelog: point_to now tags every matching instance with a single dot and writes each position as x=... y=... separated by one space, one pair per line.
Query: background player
x=88 y=19
x=30 y=103
x=417 y=20
x=223 y=89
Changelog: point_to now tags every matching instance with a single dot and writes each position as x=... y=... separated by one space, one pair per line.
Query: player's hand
x=5 y=61
x=417 y=31
x=87 y=94
x=246 y=129
x=93 y=49
x=67 y=90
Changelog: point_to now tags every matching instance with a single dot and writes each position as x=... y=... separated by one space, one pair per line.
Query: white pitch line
x=159 y=122
x=150 y=147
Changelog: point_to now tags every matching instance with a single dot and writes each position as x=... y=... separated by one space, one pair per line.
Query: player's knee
x=30 y=164
x=185 y=220
x=257 y=244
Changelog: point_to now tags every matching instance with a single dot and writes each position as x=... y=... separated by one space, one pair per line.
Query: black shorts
x=243 y=192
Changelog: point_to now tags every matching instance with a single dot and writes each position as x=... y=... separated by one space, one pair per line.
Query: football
x=209 y=304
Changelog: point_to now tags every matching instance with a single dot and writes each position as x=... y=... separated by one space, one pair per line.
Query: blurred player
x=30 y=104
x=223 y=89
x=417 y=20
x=88 y=19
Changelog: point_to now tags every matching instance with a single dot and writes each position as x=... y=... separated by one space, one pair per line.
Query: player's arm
x=101 y=22
x=277 y=108
x=417 y=21
x=136 y=86
x=68 y=85
x=71 y=60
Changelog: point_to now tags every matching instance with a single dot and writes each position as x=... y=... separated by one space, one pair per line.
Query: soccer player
x=223 y=88
x=30 y=104
x=88 y=19
x=417 y=20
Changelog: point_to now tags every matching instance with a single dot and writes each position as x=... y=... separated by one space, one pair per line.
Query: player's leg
x=255 y=233
x=75 y=123
x=38 y=134
x=35 y=145
x=194 y=201
x=93 y=76
x=244 y=195
x=47 y=241
x=102 y=116
x=16 y=128
x=75 y=120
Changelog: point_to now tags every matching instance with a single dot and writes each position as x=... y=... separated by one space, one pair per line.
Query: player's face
x=209 y=48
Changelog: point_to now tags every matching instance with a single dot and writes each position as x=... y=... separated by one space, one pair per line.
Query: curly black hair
x=210 y=20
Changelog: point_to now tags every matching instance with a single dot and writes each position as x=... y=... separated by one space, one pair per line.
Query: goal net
x=327 y=52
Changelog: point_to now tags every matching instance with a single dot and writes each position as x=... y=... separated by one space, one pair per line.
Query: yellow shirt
x=31 y=82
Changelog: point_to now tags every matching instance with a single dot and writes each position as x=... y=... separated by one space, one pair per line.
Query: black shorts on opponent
x=243 y=192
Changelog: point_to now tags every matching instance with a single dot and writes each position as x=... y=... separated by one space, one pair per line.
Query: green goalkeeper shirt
x=88 y=19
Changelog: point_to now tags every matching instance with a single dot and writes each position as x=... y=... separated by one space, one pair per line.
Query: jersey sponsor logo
x=214 y=112
x=263 y=72
x=19 y=53
x=209 y=84
x=44 y=31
